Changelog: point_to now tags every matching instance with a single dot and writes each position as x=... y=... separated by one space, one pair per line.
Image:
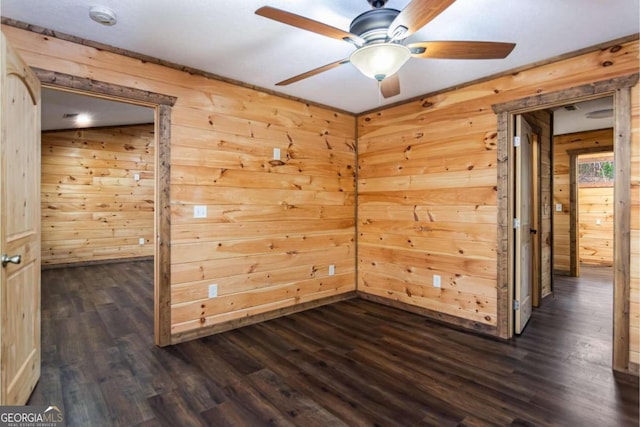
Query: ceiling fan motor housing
x=372 y=25
x=377 y=3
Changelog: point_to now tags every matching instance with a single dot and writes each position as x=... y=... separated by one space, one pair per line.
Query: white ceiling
x=226 y=38
x=578 y=117
x=57 y=104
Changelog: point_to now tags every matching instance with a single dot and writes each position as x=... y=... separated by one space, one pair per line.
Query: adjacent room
x=202 y=224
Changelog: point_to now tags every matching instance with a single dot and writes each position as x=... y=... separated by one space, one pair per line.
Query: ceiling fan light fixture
x=380 y=60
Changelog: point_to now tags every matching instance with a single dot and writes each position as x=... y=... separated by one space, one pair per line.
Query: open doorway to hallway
x=582 y=188
x=98 y=196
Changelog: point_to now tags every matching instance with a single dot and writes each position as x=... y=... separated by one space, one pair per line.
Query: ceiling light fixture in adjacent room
x=600 y=114
x=103 y=15
x=80 y=119
x=380 y=60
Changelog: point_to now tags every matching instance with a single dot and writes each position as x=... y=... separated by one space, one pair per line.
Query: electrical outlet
x=136 y=176
x=213 y=290
x=276 y=154
x=200 y=211
x=141 y=241
x=436 y=281
x=332 y=270
x=558 y=207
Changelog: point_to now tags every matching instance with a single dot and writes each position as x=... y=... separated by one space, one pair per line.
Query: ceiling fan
x=379 y=35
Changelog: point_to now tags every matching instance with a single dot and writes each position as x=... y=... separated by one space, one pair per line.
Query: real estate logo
x=31 y=416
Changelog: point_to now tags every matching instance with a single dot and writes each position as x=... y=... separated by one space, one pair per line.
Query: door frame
x=162 y=210
x=620 y=89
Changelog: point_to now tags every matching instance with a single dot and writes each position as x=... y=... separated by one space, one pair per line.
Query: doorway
x=98 y=195
x=620 y=89
x=161 y=105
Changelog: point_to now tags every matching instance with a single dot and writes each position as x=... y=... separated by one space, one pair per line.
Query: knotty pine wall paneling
x=595 y=225
x=92 y=207
x=562 y=145
x=427 y=202
x=427 y=188
x=272 y=227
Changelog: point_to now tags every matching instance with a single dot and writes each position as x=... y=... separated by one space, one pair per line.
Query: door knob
x=6 y=259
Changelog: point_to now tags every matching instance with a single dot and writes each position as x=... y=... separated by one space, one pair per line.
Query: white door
x=19 y=228
x=523 y=241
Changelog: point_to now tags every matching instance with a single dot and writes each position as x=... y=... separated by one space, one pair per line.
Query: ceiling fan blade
x=308 y=24
x=461 y=50
x=312 y=72
x=390 y=86
x=416 y=15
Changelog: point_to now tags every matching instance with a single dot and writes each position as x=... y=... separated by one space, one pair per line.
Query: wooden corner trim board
x=620 y=88
x=162 y=104
x=152 y=60
x=258 y=318
x=436 y=316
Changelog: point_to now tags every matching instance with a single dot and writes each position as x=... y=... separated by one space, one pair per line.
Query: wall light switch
x=276 y=154
x=332 y=270
x=558 y=207
x=213 y=290
x=436 y=281
x=136 y=176
x=598 y=221
x=141 y=241
x=200 y=211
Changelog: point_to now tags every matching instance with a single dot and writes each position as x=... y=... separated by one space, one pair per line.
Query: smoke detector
x=103 y=15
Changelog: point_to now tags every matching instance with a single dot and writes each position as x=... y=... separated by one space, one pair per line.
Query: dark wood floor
x=352 y=363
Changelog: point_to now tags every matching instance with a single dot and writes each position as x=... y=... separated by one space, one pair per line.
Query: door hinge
x=516 y=304
x=516 y=141
x=516 y=223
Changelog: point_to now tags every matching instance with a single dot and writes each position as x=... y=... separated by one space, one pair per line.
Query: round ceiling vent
x=103 y=15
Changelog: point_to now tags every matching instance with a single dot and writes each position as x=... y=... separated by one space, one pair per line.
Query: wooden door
x=523 y=242
x=19 y=228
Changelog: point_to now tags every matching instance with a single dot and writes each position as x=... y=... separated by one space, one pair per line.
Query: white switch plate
x=436 y=281
x=213 y=290
x=136 y=176
x=558 y=207
x=598 y=221
x=141 y=241
x=332 y=270
x=200 y=211
x=276 y=154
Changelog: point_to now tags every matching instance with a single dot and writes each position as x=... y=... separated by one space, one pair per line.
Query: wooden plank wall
x=595 y=225
x=427 y=187
x=595 y=220
x=561 y=189
x=92 y=207
x=273 y=227
x=634 y=306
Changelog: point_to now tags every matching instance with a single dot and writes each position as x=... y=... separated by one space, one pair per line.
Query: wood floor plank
x=352 y=363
